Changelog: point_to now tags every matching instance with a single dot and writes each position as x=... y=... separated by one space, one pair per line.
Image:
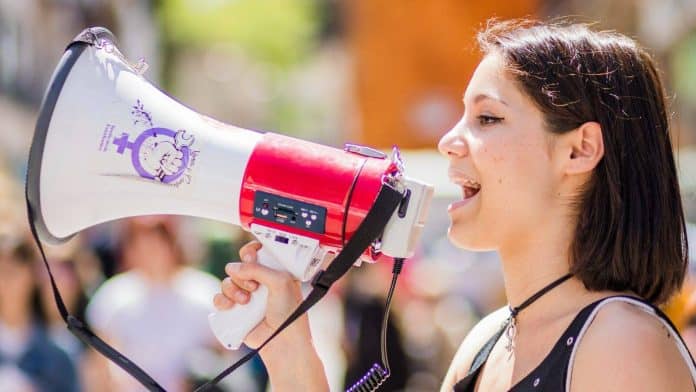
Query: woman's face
x=500 y=156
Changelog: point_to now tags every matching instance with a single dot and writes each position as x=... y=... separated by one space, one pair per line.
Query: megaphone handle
x=232 y=326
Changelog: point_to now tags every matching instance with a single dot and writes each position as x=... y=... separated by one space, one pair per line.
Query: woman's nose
x=453 y=145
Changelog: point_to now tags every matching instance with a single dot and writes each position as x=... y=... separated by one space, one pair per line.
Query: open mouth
x=471 y=191
x=470 y=188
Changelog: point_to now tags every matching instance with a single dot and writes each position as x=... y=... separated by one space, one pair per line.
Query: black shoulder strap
x=371 y=227
x=80 y=329
x=467 y=383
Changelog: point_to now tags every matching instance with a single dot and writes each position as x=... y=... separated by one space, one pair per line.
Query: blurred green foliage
x=278 y=32
x=684 y=69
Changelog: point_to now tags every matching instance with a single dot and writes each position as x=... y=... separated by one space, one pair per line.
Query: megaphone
x=108 y=145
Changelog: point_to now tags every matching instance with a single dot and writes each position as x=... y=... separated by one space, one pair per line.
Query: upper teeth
x=470 y=183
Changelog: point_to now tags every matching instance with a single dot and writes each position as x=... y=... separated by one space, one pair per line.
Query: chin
x=469 y=239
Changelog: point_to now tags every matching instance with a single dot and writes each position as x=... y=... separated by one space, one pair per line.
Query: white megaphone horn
x=109 y=145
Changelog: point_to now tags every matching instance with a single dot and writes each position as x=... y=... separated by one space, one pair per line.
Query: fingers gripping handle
x=283 y=251
x=233 y=325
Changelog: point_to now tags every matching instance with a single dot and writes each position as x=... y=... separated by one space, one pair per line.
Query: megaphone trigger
x=403 y=206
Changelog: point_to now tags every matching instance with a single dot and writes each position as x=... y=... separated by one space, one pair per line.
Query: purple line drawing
x=141 y=115
x=159 y=154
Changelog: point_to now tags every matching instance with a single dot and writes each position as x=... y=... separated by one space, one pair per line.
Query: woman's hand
x=243 y=278
x=290 y=357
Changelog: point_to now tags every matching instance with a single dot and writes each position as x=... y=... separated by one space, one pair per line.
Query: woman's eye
x=488 y=120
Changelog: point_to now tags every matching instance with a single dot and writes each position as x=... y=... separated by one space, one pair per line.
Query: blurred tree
x=270 y=63
x=683 y=63
x=279 y=32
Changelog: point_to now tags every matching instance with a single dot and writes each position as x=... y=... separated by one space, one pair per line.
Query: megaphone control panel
x=289 y=212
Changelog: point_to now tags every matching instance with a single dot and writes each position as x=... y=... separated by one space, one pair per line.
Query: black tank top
x=551 y=375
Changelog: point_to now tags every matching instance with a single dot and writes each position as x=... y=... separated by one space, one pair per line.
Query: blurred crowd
x=146 y=284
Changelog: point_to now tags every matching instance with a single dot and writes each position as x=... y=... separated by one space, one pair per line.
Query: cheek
x=516 y=177
x=500 y=166
x=520 y=163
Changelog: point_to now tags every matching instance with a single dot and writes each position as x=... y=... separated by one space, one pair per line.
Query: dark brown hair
x=630 y=232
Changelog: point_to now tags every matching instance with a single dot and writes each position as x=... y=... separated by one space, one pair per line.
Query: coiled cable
x=378 y=374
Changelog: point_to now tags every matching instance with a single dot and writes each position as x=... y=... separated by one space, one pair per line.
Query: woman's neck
x=537 y=259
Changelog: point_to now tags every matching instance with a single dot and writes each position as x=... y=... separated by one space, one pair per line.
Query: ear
x=585 y=148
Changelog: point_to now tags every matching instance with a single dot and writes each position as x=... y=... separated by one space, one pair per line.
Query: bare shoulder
x=474 y=341
x=627 y=349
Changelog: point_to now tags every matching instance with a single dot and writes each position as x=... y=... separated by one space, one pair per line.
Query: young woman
x=566 y=168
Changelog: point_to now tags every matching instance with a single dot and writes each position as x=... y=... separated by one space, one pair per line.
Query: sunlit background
x=374 y=72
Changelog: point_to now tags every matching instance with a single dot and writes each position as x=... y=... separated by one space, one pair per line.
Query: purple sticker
x=159 y=154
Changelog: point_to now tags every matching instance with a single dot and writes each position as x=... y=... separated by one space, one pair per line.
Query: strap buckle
x=322 y=281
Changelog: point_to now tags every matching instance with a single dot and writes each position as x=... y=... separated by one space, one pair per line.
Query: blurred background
x=379 y=73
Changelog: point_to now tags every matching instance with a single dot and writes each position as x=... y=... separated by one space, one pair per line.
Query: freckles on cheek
x=495 y=157
x=498 y=162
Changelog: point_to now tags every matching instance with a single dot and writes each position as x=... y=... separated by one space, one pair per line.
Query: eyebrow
x=480 y=97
